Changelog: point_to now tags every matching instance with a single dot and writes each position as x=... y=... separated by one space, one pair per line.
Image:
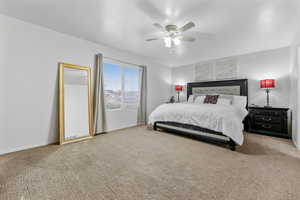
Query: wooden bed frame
x=200 y=132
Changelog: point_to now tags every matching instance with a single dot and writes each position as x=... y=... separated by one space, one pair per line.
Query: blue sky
x=112 y=77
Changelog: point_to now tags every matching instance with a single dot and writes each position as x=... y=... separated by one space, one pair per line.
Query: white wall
x=254 y=67
x=121 y=118
x=29 y=80
x=295 y=87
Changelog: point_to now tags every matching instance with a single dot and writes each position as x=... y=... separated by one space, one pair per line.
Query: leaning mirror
x=75 y=103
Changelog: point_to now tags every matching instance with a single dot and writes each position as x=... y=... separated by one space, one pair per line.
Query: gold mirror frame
x=62 y=139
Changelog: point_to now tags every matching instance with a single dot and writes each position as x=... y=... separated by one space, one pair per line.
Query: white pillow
x=223 y=101
x=191 y=99
x=227 y=96
x=239 y=101
x=199 y=99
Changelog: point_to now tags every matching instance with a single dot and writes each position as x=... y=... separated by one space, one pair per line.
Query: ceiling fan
x=172 y=35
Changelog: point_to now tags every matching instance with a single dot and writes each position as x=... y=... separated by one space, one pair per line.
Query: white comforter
x=222 y=118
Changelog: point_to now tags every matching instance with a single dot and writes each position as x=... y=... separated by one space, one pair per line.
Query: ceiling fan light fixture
x=168 y=42
x=176 y=41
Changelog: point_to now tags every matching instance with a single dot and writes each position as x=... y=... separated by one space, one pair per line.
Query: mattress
x=225 y=119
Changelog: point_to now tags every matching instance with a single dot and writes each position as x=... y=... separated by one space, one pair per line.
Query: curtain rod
x=122 y=61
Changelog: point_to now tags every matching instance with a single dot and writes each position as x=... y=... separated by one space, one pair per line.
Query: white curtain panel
x=142 y=108
x=99 y=104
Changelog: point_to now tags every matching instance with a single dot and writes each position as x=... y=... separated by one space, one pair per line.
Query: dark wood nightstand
x=269 y=121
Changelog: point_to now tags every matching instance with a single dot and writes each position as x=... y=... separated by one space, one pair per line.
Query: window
x=112 y=85
x=121 y=86
x=131 y=87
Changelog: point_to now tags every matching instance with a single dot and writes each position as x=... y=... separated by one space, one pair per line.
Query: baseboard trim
x=119 y=129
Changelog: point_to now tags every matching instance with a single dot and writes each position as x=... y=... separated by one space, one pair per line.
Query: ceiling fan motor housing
x=171 y=28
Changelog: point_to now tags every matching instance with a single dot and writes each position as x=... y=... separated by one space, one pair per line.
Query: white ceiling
x=239 y=26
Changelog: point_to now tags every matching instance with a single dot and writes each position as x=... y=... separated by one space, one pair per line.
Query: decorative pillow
x=199 y=99
x=191 y=99
x=223 y=101
x=211 y=99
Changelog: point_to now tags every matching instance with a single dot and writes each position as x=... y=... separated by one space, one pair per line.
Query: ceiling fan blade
x=152 y=39
x=187 y=26
x=159 y=26
x=187 y=38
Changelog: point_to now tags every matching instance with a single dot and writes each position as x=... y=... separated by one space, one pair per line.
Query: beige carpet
x=137 y=164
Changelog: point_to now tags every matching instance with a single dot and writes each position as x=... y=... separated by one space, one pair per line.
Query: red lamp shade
x=178 y=87
x=268 y=83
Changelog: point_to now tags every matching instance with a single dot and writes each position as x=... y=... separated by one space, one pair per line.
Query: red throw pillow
x=211 y=99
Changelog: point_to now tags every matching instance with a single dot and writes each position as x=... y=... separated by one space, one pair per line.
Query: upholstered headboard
x=229 y=87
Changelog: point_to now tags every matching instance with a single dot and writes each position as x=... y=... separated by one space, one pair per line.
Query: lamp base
x=268 y=99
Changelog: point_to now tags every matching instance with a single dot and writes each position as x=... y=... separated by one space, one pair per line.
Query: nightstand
x=269 y=121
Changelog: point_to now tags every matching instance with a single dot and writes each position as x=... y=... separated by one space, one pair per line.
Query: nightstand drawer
x=268 y=127
x=269 y=119
x=267 y=112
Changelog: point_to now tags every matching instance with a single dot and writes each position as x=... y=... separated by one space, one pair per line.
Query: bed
x=208 y=122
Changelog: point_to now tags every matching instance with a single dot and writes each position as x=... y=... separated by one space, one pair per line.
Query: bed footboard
x=197 y=132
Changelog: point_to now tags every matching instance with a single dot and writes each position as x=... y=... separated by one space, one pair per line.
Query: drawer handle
x=266 y=126
x=267 y=119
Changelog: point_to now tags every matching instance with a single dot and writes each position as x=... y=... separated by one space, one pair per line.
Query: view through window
x=121 y=86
